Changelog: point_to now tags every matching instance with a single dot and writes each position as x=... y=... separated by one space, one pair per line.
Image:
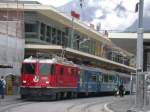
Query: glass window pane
x=44 y=69
x=105 y=77
x=28 y=68
x=30 y=27
x=94 y=78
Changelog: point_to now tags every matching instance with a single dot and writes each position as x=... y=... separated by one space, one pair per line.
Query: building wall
x=12 y=42
x=40 y=29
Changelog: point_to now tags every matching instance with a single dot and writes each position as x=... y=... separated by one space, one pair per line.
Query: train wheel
x=68 y=95
x=23 y=96
x=75 y=95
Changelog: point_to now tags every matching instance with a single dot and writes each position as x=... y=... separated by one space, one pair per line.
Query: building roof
x=53 y=13
x=75 y=52
x=128 y=41
x=21 y=2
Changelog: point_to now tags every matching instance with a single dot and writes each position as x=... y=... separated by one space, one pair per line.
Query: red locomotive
x=48 y=77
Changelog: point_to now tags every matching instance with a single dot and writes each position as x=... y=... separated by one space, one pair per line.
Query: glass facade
x=53 y=33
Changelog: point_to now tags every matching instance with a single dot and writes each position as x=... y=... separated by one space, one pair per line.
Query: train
x=56 y=79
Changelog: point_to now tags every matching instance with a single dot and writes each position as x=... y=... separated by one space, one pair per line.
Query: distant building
x=128 y=42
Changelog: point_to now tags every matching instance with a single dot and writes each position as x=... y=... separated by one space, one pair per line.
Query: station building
x=121 y=39
x=12 y=41
x=46 y=30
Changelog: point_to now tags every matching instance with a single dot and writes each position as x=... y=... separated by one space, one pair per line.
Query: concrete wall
x=12 y=46
x=11 y=53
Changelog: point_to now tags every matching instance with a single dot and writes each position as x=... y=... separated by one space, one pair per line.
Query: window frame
x=47 y=66
x=28 y=73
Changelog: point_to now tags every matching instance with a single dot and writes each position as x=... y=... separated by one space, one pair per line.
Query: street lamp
x=139 y=60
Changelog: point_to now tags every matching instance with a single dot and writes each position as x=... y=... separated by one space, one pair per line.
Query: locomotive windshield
x=44 y=69
x=28 y=68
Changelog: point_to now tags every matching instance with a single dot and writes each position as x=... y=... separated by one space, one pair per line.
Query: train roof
x=102 y=70
x=95 y=69
x=51 y=61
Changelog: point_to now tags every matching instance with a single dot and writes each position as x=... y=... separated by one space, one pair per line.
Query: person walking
x=2 y=86
x=121 y=90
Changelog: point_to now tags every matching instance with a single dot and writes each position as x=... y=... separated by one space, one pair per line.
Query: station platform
x=9 y=99
x=124 y=104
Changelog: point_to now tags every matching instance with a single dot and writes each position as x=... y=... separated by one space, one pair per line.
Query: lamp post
x=139 y=64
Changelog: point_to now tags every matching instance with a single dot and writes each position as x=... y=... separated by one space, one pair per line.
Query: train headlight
x=47 y=82
x=24 y=81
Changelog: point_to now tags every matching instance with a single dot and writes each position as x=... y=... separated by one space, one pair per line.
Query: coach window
x=110 y=78
x=105 y=77
x=61 y=70
x=44 y=69
x=94 y=78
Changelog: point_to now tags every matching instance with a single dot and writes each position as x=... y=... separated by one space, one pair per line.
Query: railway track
x=95 y=104
x=85 y=106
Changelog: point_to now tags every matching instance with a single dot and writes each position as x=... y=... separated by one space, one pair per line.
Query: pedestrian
x=121 y=90
x=2 y=86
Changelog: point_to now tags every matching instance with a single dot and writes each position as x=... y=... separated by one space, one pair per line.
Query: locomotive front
x=36 y=78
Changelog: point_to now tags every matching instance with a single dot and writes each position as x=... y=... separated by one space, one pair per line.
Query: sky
x=55 y=3
x=124 y=20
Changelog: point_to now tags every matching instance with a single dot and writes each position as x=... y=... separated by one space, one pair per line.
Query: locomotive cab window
x=44 y=69
x=28 y=68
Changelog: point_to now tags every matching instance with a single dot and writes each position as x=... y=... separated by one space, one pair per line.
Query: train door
x=100 y=79
x=53 y=75
x=81 y=80
x=59 y=81
x=93 y=79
